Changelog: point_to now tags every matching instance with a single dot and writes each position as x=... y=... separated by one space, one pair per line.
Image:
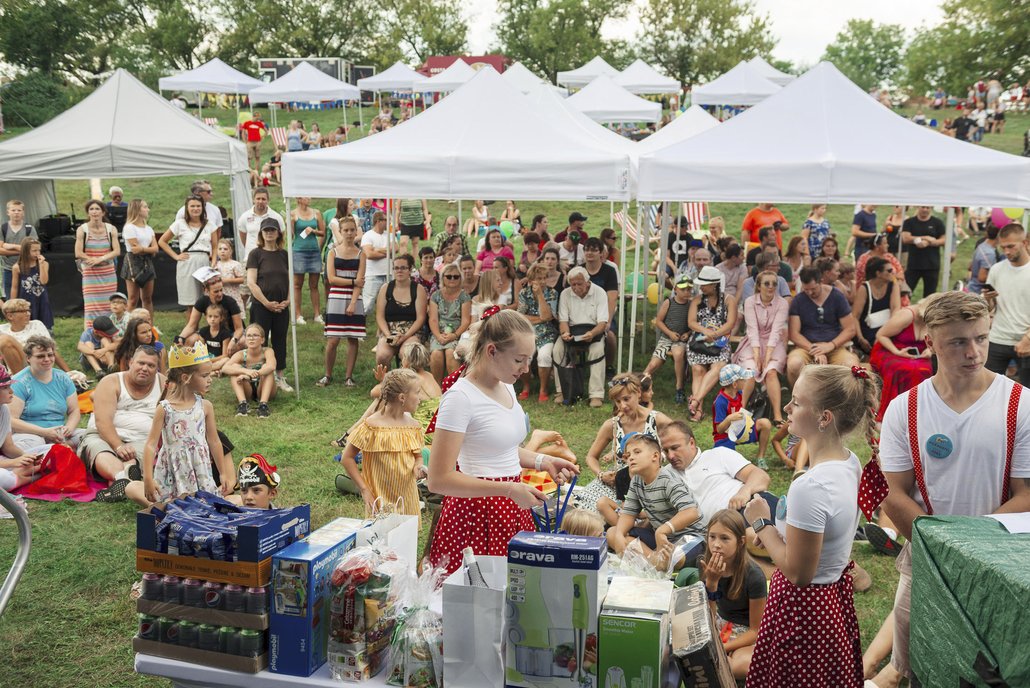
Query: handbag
x=698 y=345
x=140 y=275
x=61 y=471
x=875 y=321
x=758 y=404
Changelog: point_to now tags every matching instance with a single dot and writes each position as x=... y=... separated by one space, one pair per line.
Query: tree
x=420 y=28
x=33 y=99
x=549 y=36
x=869 y=54
x=697 y=40
x=946 y=56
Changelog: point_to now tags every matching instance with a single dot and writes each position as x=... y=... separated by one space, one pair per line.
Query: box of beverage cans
x=204 y=602
x=300 y=595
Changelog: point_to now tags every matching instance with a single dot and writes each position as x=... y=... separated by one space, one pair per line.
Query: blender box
x=633 y=635
x=555 y=586
x=298 y=624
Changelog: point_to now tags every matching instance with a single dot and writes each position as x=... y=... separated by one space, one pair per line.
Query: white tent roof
x=450 y=151
x=304 y=82
x=449 y=79
x=519 y=76
x=769 y=72
x=641 y=77
x=603 y=101
x=822 y=139
x=122 y=129
x=551 y=107
x=399 y=77
x=581 y=76
x=742 y=85
x=692 y=122
x=211 y=77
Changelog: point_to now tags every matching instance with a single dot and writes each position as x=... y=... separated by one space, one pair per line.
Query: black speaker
x=62 y=244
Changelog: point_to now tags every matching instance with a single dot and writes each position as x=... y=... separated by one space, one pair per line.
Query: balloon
x=654 y=293
x=507 y=228
x=1014 y=214
x=999 y=218
x=635 y=283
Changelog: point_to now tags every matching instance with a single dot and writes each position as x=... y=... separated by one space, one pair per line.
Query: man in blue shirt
x=863 y=228
x=820 y=324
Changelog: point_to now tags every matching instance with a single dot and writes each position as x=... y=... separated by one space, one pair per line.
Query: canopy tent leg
x=622 y=285
x=949 y=244
x=461 y=227
x=361 y=119
x=633 y=308
x=346 y=127
x=293 y=306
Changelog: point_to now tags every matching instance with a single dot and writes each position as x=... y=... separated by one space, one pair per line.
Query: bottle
x=473 y=575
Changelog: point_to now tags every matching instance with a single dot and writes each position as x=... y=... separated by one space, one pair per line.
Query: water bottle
x=473 y=575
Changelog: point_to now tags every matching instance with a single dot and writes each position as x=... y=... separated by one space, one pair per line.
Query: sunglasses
x=619 y=382
x=820 y=314
x=452 y=277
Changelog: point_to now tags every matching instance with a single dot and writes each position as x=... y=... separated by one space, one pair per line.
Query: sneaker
x=543 y=396
x=300 y=320
x=282 y=384
x=319 y=319
x=324 y=381
x=263 y=411
x=680 y=396
x=243 y=409
x=114 y=493
x=881 y=540
x=134 y=471
x=524 y=394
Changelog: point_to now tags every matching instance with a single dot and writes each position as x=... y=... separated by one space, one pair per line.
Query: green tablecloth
x=970 y=600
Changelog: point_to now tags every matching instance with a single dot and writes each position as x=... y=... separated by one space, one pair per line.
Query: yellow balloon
x=653 y=293
x=1013 y=213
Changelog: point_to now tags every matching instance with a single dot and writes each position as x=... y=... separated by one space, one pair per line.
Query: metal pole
x=461 y=227
x=361 y=119
x=346 y=129
x=622 y=283
x=949 y=243
x=21 y=557
x=293 y=306
x=633 y=308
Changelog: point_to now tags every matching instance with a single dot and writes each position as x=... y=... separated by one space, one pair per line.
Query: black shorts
x=414 y=231
x=999 y=116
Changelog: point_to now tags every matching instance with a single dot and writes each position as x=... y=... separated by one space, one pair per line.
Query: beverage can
x=153 y=587
x=233 y=598
x=170 y=590
x=250 y=643
x=168 y=630
x=257 y=600
x=148 y=627
x=229 y=640
x=193 y=592
x=188 y=634
x=207 y=637
x=213 y=595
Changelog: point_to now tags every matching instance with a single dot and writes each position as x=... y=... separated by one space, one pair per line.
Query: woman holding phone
x=900 y=355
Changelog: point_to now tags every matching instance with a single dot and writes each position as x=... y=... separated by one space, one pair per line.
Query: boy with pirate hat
x=258 y=482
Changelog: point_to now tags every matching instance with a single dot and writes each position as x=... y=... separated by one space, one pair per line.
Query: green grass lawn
x=71 y=618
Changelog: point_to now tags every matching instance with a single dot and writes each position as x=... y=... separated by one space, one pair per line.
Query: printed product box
x=695 y=641
x=555 y=586
x=633 y=635
x=300 y=595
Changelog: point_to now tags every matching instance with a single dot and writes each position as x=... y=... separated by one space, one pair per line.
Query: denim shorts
x=307 y=263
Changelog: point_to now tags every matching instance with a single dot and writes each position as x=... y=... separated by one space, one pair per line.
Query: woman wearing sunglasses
x=450 y=313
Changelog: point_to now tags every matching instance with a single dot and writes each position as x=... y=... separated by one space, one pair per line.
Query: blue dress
x=35 y=292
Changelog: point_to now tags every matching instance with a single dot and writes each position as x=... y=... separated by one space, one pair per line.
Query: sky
x=803 y=27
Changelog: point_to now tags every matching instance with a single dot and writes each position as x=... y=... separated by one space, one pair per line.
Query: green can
x=148 y=627
x=229 y=640
x=207 y=637
x=168 y=630
x=250 y=643
x=188 y=633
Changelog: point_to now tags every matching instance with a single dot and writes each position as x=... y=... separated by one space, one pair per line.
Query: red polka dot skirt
x=486 y=524
x=809 y=637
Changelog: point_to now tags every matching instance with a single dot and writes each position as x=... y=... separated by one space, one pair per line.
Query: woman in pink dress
x=764 y=347
x=900 y=355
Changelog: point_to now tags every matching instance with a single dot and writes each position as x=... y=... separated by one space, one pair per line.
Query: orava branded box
x=633 y=635
x=555 y=586
x=300 y=595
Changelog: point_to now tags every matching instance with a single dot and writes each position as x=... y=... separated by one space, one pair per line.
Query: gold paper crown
x=182 y=356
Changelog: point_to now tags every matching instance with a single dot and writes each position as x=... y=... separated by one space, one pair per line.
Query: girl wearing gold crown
x=184 y=424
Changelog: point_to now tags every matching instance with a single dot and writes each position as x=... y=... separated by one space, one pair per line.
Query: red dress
x=899 y=374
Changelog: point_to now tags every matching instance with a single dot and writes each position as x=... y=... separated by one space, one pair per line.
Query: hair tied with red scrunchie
x=859 y=371
x=492 y=310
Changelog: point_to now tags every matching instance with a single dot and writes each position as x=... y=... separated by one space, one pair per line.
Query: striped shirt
x=662 y=499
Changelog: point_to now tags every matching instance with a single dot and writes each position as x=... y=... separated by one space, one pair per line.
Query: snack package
x=416 y=649
x=366 y=586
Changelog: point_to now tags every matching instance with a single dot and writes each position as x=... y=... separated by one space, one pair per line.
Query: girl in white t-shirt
x=141 y=247
x=811 y=597
x=476 y=460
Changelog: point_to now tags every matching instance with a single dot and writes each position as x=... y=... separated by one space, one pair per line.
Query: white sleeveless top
x=133 y=417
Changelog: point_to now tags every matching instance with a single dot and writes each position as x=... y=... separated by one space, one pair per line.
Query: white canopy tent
x=519 y=76
x=450 y=79
x=742 y=85
x=581 y=76
x=211 y=77
x=641 y=77
x=603 y=101
x=695 y=120
x=122 y=129
x=769 y=72
x=399 y=77
x=305 y=83
x=559 y=91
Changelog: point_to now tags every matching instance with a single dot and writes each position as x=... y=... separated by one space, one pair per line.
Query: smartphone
x=988 y=287
x=912 y=350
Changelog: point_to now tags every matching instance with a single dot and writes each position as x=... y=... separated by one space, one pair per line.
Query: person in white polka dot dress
x=809 y=635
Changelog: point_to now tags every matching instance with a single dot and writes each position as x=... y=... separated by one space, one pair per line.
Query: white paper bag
x=473 y=627
x=398 y=532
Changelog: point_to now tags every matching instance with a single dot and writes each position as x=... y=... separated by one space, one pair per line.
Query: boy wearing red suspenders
x=957 y=444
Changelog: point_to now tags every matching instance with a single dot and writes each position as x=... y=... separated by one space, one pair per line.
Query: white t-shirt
x=573 y=257
x=1012 y=317
x=214 y=215
x=381 y=266
x=711 y=479
x=968 y=477
x=143 y=235
x=492 y=432
x=249 y=223
x=34 y=328
x=185 y=233
x=589 y=310
x=825 y=500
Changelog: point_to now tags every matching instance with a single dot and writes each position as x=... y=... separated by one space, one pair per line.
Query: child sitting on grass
x=215 y=334
x=728 y=408
x=252 y=372
x=119 y=302
x=657 y=490
x=97 y=347
x=258 y=482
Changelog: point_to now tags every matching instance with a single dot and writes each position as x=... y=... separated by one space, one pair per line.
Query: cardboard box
x=633 y=634
x=218 y=617
x=247 y=573
x=695 y=640
x=253 y=543
x=555 y=586
x=300 y=595
x=218 y=660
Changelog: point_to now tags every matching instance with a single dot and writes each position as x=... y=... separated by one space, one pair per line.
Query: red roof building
x=437 y=63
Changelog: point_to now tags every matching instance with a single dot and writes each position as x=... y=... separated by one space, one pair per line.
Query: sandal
x=114 y=493
x=324 y=381
x=696 y=414
x=340 y=442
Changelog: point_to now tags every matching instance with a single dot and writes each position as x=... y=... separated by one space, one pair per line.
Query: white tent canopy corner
x=304 y=83
x=399 y=77
x=769 y=72
x=581 y=76
x=641 y=77
x=693 y=121
x=450 y=79
x=211 y=77
x=742 y=85
x=603 y=101
x=519 y=76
